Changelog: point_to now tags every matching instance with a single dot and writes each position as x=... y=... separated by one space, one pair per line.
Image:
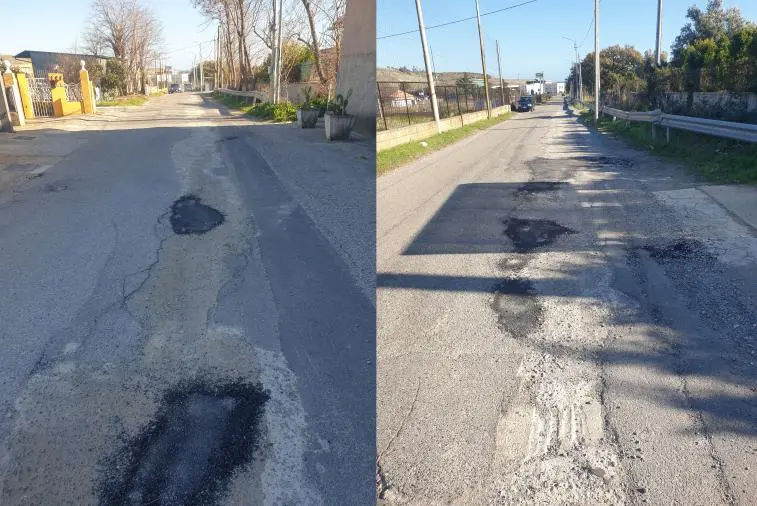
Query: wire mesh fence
x=401 y=104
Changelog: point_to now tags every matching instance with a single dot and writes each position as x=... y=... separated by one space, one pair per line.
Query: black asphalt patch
x=201 y=435
x=53 y=188
x=228 y=138
x=605 y=161
x=518 y=310
x=190 y=216
x=541 y=186
x=528 y=235
x=685 y=249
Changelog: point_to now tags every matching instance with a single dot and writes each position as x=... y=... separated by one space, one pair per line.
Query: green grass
x=718 y=160
x=279 y=113
x=397 y=156
x=158 y=93
x=133 y=100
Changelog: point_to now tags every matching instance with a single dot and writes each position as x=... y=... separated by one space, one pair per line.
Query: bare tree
x=127 y=30
x=326 y=22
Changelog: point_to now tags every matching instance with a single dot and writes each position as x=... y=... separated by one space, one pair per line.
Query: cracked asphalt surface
x=562 y=320
x=220 y=352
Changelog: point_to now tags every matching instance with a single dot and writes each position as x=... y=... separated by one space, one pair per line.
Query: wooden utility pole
x=596 y=60
x=429 y=74
x=658 y=45
x=483 y=62
x=501 y=82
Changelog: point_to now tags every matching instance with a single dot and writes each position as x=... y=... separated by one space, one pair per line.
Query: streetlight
x=579 y=95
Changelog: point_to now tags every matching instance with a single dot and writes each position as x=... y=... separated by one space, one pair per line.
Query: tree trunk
x=314 y=43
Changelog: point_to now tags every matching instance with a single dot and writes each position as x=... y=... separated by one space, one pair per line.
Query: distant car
x=174 y=88
x=526 y=104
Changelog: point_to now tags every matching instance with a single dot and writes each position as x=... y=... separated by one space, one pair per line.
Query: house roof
x=402 y=95
x=28 y=54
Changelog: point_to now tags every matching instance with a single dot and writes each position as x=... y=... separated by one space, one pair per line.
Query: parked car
x=526 y=104
x=174 y=88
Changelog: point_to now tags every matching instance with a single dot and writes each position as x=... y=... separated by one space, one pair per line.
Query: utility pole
x=279 y=52
x=596 y=60
x=483 y=62
x=501 y=82
x=274 y=53
x=658 y=45
x=429 y=75
x=580 y=75
x=202 y=71
x=433 y=64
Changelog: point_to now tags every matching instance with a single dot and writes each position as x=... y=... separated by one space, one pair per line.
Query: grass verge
x=397 y=156
x=718 y=160
x=279 y=113
x=133 y=100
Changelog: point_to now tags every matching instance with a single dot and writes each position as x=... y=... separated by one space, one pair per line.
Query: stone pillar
x=9 y=81
x=87 y=90
x=357 y=68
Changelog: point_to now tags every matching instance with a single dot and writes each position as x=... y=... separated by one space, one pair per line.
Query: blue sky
x=54 y=26
x=530 y=37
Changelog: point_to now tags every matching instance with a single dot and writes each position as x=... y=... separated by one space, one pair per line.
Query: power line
x=458 y=20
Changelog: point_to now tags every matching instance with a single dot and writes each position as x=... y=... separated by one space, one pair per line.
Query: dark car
x=526 y=104
x=174 y=88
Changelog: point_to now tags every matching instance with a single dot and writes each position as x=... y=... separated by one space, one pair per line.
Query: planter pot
x=339 y=128
x=307 y=118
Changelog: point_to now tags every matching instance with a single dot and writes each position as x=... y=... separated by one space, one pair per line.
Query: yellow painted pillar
x=87 y=91
x=26 y=95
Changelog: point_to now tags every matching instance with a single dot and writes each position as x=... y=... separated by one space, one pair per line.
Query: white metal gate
x=42 y=98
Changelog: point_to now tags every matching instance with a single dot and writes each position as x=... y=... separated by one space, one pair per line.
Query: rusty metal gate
x=42 y=98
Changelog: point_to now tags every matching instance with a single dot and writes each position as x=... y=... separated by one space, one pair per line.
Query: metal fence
x=73 y=92
x=401 y=104
x=41 y=94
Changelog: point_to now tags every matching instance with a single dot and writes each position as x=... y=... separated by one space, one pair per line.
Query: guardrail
x=260 y=96
x=717 y=128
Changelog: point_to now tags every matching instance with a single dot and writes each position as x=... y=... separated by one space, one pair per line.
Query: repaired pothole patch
x=201 y=435
x=517 y=308
x=685 y=249
x=540 y=186
x=605 y=161
x=528 y=234
x=190 y=216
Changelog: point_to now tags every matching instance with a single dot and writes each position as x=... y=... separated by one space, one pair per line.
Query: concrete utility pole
x=580 y=75
x=658 y=45
x=202 y=71
x=429 y=75
x=274 y=53
x=499 y=68
x=483 y=62
x=279 y=52
x=596 y=60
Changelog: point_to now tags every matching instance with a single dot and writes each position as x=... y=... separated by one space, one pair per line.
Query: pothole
x=190 y=216
x=604 y=161
x=201 y=435
x=685 y=249
x=53 y=188
x=527 y=234
x=541 y=186
x=228 y=138
x=518 y=310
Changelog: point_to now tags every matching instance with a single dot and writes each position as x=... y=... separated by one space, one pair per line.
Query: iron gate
x=42 y=98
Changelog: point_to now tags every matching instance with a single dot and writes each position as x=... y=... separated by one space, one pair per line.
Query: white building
x=555 y=88
x=532 y=88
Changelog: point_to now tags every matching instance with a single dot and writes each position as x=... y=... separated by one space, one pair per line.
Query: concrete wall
x=357 y=70
x=716 y=104
x=390 y=138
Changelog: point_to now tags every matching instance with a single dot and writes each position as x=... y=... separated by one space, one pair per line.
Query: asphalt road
x=562 y=320
x=188 y=312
